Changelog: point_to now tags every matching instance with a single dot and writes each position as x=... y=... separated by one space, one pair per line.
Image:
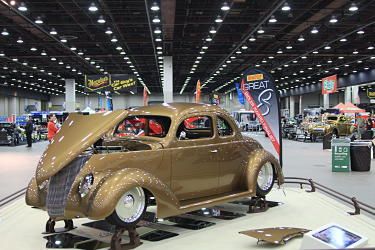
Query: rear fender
x=257 y=159
x=117 y=183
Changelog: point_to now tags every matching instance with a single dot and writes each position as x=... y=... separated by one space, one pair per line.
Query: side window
x=195 y=127
x=223 y=127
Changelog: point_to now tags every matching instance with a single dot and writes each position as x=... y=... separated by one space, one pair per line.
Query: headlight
x=85 y=185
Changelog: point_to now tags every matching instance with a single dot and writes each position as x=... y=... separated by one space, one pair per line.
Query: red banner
x=145 y=97
x=198 y=92
x=329 y=84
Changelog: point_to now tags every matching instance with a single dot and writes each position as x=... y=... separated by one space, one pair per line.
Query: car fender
x=106 y=196
x=257 y=158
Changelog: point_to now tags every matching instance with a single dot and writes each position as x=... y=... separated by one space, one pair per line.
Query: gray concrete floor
x=17 y=166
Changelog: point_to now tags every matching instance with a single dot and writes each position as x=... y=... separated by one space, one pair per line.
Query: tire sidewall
x=260 y=192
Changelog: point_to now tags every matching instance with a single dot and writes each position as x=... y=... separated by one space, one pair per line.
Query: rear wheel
x=265 y=179
x=129 y=209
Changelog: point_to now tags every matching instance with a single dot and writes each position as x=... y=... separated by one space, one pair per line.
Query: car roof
x=174 y=109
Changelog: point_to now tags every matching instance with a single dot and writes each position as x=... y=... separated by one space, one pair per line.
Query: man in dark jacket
x=29 y=130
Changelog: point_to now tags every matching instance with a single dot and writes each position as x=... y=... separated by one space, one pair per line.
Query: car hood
x=75 y=136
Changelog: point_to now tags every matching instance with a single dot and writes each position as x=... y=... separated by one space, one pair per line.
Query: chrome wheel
x=131 y=205
x=265 y=179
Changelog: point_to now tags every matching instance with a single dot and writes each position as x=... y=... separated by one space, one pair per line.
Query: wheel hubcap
x=131 y=205
x=265 y=176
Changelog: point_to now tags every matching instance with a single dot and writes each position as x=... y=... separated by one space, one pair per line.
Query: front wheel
x=265 y=179
x=129 y=209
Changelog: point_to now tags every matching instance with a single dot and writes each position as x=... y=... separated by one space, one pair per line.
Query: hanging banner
x=260 y=91
x=97 y=82
x=241 y=99
x=329 y=84
x=198 y=92
x=145 y=97
x=123 y=82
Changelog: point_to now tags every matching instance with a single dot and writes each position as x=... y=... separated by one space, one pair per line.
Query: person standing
x=51 y=127
x=29 y=130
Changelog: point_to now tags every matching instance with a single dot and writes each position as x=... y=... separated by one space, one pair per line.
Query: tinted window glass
x=223 y=127
x=195 y=127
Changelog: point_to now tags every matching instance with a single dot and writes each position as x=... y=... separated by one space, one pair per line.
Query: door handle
x=214 y=151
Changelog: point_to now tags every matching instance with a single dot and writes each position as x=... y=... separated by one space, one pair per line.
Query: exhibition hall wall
x=14 y=105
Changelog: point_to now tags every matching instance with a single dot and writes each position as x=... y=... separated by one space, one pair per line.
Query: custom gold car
x=107 y=165
x=338 y=125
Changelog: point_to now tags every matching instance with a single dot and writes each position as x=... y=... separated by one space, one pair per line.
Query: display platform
x=21 y=227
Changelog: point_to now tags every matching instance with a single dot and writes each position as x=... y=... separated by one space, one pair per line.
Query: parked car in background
x=197 y=157
x=9 y=134
x=247 y=120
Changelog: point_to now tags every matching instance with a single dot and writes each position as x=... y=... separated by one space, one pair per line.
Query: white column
x=70 y=95
x=355 y=95
x=12 y=106
x=348 y=94
x=292 y=112
x=300 y=105
x=326 y=101
x=168 y=79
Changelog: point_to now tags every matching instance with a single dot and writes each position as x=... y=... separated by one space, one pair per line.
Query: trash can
x=360 y=156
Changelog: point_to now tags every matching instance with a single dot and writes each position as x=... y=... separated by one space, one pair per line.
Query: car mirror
x=182 y=135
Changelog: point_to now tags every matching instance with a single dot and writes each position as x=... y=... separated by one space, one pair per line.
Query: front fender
x=106 y=196
x=257 y=159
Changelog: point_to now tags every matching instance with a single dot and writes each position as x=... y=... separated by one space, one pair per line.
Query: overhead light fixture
x=122 y=53
x=208 y=39
x=155 y=7
x=156 y=19
x=272 y=19
x=101 y=20
x=53 y=59
x=355 y=52
x=80 y=53
x=158 y=39
x=252 y=39
x=19 y=40
x=5 y=32
x=63 y=40
x=118 y=48
x=157 y=30
x=343 y=39
x=301 y=38
x=212 y=30
x=73 y=48
x=12 y=2
x=289 y=47
x=333 y=19
x=370 y=47
x=360 y=32
x=108 y=31
x=314 y=30
x=218 y=19
x=244 y=47
x=238 y=52
x=2 y=53
x=353 y=7
x=225 y=7
x=61 y=62
x=38 y=20
x=43 y=53
x=285 y=7
x=271 y=57
x=205 y=47
x=93 y=7
x=327 y=47
x=340 y=57
x=279 y=51
x=114 y=39
x=260 y=30
x=22 y=7
x=53 y=31
x=33 y=49
x=303 y=57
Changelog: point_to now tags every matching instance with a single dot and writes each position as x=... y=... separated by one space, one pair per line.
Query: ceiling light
x=366 y=68
x=370 y=47
x=2 y=53
x=360 y=32
x=303 y=57
x=340 y=57
x=80 y=53
x=33 y=49
x=271 y=57
x=301 y=39
x=289 y=47
x=260 y=30
x=61 y=62
x=73 y=48
x=5 y=32
x=204 y=47
x=155 y=7
x=159 y=48
x=119 y=48
x=272 y=19
x=327 y=47
x=87 y=58
x=333 y=19
x=158 y=39
x=238 y=52
x=314 y=30
x=359 y=61
x=315 y=52
x=67 y=66
x=212 y=30
x=346 y=65
x=108 y=31
x=329 y=61
x=93 y=7
x=122 y=53
x=285 y=7
x=53 y=59
x=101 y=19
x=355 y=52
x=38 y=20
x=156 y=19
x=225 y=7
x=201 y=52
x=279 y=51
x=218 y=19
x=157 y=30
x=353 y=7
x=343 y=40
x=12 y=2
x=19 y=40
x=22 y=7
x=244 y=47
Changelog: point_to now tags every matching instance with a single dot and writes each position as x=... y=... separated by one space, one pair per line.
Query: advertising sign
x=260 y=91
x=240 y=96
x=97 y=82
x=371 y=93
x=340 y=155
x=329 y=84
x=123 y=82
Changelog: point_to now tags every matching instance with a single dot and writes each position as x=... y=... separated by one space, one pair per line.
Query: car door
x=195 y=158
x=232 y=160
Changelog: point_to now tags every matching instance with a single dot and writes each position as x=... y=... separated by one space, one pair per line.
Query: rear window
x=332 y=118
x=155 y=126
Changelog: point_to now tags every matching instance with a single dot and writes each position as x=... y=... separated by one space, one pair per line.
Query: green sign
x=340 y=155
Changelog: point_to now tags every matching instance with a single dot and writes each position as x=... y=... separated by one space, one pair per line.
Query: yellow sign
x=121 y=84
x=255 y=77
x=97 y=82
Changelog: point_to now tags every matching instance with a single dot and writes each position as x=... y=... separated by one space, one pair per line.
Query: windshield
x=332 y=118
x=155 y=126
